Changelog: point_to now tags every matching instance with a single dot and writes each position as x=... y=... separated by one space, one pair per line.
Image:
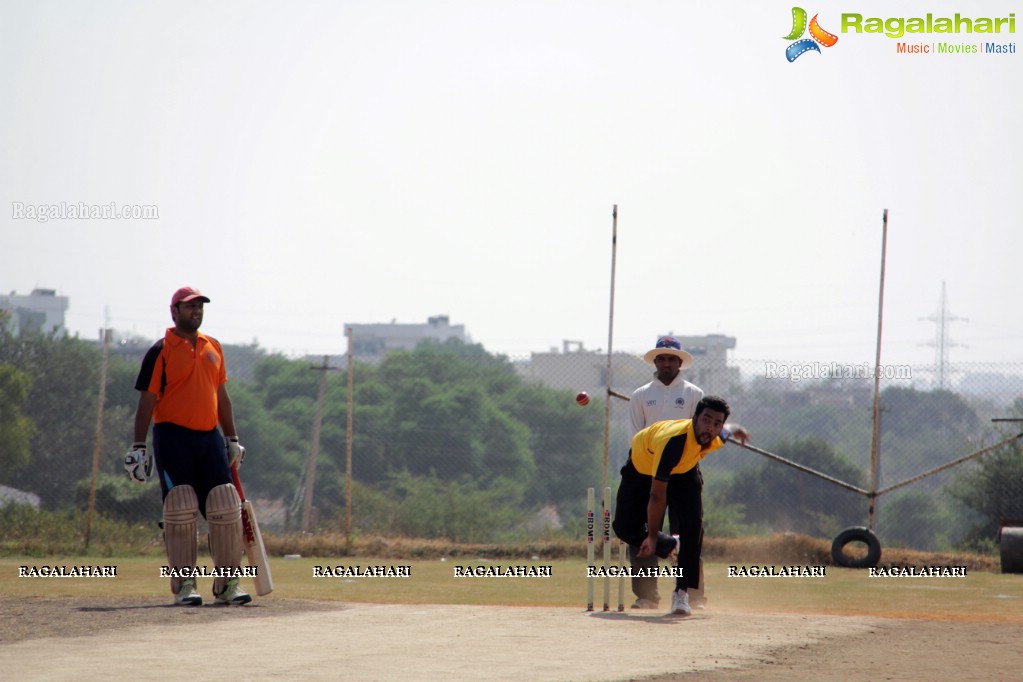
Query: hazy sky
x=321 y=163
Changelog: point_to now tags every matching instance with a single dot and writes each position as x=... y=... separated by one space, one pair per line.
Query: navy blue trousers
x=187 y=457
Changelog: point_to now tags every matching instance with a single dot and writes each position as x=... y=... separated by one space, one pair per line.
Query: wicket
x=591 y=518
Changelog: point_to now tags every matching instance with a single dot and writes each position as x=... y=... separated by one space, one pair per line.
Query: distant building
x=710 y=370
x=577 y=369
x=41 y=311
x=374 y=341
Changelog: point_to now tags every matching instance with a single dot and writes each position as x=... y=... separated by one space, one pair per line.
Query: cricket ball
x=583 y=399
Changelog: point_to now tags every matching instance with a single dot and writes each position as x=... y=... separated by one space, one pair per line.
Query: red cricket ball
x=583 y=399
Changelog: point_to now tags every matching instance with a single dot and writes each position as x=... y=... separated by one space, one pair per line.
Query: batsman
x=182 y=388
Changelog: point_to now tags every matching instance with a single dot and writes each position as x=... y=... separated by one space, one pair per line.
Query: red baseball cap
x=185 y=294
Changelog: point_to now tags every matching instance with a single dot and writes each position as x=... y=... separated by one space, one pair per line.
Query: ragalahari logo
x=817 y=35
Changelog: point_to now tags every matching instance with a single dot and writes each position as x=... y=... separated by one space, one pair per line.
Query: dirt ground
x=104 y=638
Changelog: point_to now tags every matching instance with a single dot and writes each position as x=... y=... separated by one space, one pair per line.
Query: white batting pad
x=180 y=519
x=224 y=517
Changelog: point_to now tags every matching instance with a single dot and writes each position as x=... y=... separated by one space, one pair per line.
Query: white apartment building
x=41 y=311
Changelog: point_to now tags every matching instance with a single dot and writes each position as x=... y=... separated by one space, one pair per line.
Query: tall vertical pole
x=314 y=449
x=610 y=338
x=877 y=378
x=99 y=432
x=348 y=447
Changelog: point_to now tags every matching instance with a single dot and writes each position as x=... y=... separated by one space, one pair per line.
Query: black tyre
x=856 y=534
x=1011 y=546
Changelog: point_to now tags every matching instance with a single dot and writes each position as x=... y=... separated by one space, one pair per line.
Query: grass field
x=977 y=596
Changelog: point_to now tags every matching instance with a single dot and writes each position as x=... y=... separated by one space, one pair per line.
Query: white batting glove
x=138 y=464
x=235 y=451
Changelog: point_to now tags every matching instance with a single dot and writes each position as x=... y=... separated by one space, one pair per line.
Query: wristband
x=138 y=446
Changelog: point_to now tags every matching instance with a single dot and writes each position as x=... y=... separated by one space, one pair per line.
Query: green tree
x=61 y=402
x=372 y=419
x=722 y=519
x=566 y=442
x=242 y=359
x=790 y=500
x=461 y=511
x=275 y=444
x=921 y=430
x=448 y=412
x=119 y=415
x=16 y=429
x=837 y=411
x=119 y=498
x=993 y=490
x=907 y=411
x=915 y=518
x=277 y=378
x=121 y=376
x=445 y=417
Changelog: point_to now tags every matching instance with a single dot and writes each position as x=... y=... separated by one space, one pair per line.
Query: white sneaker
x=680 y=603
x=187 y=596
x=642 y=603
x=233 y=595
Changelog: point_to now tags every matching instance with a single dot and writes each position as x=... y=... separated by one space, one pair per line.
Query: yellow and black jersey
x=667 y=448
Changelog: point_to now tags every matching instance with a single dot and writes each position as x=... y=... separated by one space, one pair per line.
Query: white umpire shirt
x=655 y=402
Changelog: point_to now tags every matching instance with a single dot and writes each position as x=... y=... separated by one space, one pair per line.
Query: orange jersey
x=185 y=379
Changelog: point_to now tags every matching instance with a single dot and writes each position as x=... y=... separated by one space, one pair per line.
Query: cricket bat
x=253 y=540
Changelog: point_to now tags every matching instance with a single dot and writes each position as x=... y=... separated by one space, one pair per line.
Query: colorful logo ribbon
x=818 y=36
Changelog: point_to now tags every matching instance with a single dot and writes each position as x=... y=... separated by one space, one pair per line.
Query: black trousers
x=685 y=509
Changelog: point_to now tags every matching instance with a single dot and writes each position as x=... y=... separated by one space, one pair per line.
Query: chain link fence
x=450 y=441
